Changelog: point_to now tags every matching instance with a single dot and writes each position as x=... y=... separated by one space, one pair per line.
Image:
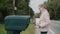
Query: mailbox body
x=16 y=22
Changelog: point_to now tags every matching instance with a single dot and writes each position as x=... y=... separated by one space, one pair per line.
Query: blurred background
x=27 y=7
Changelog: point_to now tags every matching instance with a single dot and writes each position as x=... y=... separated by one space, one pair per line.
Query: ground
x=54 y=28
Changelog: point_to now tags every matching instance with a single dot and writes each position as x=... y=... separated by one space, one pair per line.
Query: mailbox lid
x=16 y=17
x=16 y=22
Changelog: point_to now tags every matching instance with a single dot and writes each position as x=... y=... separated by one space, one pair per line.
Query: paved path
x=54 y=28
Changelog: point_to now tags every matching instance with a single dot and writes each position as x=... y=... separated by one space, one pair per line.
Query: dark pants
x=43 y=32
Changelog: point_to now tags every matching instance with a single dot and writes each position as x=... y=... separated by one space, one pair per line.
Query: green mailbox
x=16 y=23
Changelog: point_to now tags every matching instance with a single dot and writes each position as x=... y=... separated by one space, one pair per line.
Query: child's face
x=41 y=9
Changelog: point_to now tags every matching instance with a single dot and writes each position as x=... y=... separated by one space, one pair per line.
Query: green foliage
x=53 y=7
x=23 y=8
x=6 y=3
x=37 y=15
x=6 y=7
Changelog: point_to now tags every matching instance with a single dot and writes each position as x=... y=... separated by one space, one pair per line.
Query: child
x=44 y=19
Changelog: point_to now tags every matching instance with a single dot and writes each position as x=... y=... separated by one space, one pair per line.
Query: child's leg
x=43 y=32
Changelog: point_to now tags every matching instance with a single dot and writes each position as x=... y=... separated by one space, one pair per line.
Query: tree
x=6 y=7
x=53 y=7
x=23 y=8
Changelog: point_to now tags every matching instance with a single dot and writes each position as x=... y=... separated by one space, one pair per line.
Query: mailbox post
x=16 y=24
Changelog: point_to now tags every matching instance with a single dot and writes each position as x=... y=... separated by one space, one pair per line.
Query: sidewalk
x=38 y=32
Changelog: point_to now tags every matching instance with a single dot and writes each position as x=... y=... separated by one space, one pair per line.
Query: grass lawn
x=27 y=31
x=2 y=29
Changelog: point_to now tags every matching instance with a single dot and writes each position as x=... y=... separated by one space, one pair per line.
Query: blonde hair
x=42 y=5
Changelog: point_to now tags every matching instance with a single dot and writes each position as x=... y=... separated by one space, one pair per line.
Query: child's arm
x=45 y=22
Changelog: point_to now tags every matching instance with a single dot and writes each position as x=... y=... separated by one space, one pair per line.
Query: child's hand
x=39 y=26
x=42 y=27
x=34 y=23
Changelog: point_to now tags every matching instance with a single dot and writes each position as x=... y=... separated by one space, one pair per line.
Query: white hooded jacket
x=44 y=21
